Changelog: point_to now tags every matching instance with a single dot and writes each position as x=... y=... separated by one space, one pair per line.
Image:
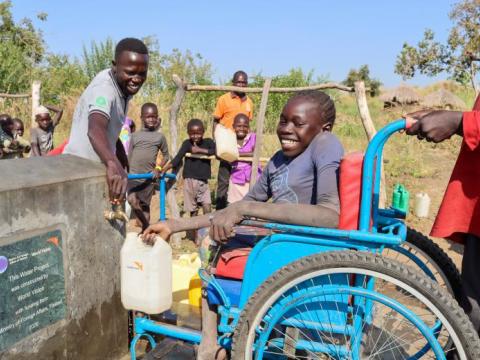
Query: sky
x=267 y=36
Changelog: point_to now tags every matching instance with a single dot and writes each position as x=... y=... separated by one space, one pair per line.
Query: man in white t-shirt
x=101 y=111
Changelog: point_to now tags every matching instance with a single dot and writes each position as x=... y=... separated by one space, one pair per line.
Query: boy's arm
x=209 y=150
x=222 y=222
x=164 y=150
x=121 y=155
x=58 y=114
x=34 y=142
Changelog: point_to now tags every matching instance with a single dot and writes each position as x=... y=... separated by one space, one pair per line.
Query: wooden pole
x=36 y=85
x=329 y=85
x=15 y=96
x=176 y=240
x=361 y=97
x=259 y=130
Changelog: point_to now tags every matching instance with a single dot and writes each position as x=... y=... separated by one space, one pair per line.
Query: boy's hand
x=223 y=222
x=161 y=228
x=156 y=174
x=196 y=149
x=435 y=125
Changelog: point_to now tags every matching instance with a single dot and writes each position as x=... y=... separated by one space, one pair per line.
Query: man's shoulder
x=102 y=82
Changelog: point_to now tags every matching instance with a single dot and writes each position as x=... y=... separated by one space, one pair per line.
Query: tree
x=60 y=76
x=363 y=74
x=98 y=58
x=431 y=57
x=21 y=48
x=294 y=78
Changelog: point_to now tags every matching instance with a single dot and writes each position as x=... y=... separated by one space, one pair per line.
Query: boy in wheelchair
x=301 y=180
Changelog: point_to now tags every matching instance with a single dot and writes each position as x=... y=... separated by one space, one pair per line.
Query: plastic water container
x=195 y=291
x=146 y=275
x=226 y=143
x=400 y=198
x=183 y=270
x=422 y=205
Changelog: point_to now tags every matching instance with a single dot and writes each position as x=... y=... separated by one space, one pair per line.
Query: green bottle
x=400 y=198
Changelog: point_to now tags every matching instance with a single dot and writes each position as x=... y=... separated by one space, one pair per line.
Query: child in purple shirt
x=241 y=170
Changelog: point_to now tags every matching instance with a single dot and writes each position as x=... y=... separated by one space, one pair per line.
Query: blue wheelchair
x=318 y=293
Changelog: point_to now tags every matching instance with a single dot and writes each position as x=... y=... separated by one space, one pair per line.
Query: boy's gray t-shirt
x=309 y=178
x=44 y=139
x=101 y=96
x=144 y=147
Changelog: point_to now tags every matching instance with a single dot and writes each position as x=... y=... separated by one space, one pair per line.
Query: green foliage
x=431 y=57
x=296 y=77
x=21 y=48
x=59 y=77
x=191 y=68
x=98 y=58
x=363 y=74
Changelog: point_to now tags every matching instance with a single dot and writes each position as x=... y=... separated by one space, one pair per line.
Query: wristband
x=158 y=167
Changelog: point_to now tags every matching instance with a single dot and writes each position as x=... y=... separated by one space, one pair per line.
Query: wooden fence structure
x=34 y=95
x=182 y=88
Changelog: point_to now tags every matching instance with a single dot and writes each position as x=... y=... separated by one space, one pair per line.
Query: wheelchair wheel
x=352 y=305
x=419 y=251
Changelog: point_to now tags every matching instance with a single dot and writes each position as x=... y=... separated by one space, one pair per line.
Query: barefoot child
x=144 y=147
x=241 y=170
x=300 y=179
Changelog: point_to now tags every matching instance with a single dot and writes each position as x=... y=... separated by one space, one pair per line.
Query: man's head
x=42 y=117
x=130 y=65
x=241 y=125
x=195 y=130
x=149 y=116
x=18 y=127
x=305 y=114
x=240 y=78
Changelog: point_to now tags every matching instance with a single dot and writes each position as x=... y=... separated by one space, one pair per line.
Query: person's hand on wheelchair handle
x=435 y=125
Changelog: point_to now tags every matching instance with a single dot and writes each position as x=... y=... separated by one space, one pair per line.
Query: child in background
x=18 y=127
x=196 y=171
x=144 y=147
x=41 y=137
x=12 y=145
x=241 y=170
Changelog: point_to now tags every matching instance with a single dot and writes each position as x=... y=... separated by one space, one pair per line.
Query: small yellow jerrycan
x=183 y=270
x=195 y=291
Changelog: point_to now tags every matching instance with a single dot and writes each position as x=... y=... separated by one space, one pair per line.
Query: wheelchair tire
x=277 y=289
x=440 y=258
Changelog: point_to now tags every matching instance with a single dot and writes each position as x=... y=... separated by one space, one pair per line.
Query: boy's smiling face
x=195 y=133
x=150 y=118
x=299 y=123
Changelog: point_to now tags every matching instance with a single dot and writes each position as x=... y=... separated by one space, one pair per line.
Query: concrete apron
x=59 y=262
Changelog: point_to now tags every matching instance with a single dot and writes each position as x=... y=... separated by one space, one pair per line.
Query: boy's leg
x=190 y=202
x=134 y=202
x=222 y=184
x=208 y=348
